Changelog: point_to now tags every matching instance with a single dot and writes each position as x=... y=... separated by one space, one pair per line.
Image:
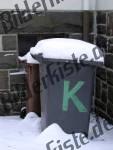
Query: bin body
x=66 y=95
x=33 y=88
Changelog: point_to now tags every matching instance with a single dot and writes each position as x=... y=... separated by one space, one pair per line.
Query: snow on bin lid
x=64 y=48
x=28 y=59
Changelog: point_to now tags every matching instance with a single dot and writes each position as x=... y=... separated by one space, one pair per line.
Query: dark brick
x=12 y=101
x=101 y=18
x=8 y=108
x=18 y=87
x=110 y=77
x=110 y=94
x=109 y=61
x=110 y=48
x=8 y=60
x=100 y=112
x=110 y=109
x=101 y=73
x=101 y=29
x=1 y=97
x=1 y=28
x=104 y=115
x=98 y=88
x=9 y=42
x=111 y=40
x=4 y=80
x=100 y=105
x=11 y=96
x=104 y=96
x=91 y=38
x=2 y=111
x=17 y=79
x=91 y=21
x=76 y=36
x=110 y=24
x=6 y=96
x=17 y=106
x=102 y=42
x=104 y=85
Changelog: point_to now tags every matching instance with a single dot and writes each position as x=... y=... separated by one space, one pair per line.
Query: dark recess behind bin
x=26 y=41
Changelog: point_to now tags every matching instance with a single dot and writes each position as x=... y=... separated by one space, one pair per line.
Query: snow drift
x=30 y=124
x=12 y=139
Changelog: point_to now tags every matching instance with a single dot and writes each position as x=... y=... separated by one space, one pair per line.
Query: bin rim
x=41 y=60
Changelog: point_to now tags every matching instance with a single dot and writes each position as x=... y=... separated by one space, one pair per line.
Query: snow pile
x=54 y=135
x=30 y=124
x=62 y=48
x=11 y=138
x=55 y=138
x=28 y=59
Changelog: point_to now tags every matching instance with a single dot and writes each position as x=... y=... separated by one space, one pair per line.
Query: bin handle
x=91 y=63
x=84 y=63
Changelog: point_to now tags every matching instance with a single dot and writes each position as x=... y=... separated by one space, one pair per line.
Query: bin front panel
x=67 y=98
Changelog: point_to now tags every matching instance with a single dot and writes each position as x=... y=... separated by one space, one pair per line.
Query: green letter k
x=70 y=95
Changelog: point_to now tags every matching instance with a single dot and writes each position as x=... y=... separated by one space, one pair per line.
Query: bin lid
x=65 y=49
x=28 y=59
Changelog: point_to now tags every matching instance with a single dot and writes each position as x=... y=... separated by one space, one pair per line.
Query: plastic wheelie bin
x=67 y=74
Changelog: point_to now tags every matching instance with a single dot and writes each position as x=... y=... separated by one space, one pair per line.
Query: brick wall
x=104 y=80
x=12 y=87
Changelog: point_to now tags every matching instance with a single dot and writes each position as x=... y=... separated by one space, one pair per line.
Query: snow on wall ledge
x=64 y=48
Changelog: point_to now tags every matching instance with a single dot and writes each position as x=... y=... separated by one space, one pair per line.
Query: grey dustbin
x=66 y=97
x=66 y=93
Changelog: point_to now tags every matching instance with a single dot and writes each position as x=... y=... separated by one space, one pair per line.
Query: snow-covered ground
x=18 y=134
